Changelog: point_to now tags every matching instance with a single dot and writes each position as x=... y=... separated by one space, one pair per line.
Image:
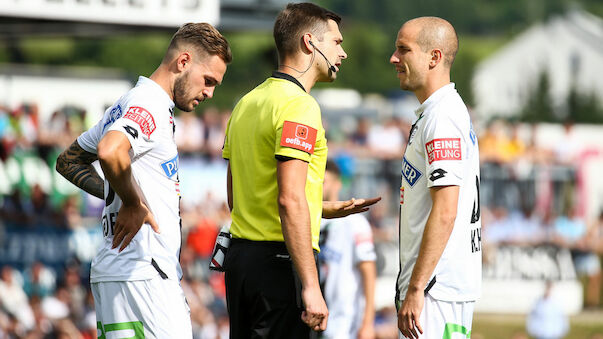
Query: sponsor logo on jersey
x=298 y=136
x=413 y=129
x=363 y=238
x=114 y=114
x=437 y=174
x=472 y=135
x=410 y=173
x=170 y=167
x=443 y=149
x=143 y=118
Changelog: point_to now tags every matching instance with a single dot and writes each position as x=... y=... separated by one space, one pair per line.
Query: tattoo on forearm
x=75 y=164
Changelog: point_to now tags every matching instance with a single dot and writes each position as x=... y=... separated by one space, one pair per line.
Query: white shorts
x=154 y=308
x=445 y=319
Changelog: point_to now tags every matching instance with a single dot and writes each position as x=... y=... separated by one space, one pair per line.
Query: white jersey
x=144 y=116
x=345 y=242
x=442 y=150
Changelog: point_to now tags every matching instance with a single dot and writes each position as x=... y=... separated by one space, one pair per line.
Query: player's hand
x=315 y=313
x=409 y=313
x=129 y=220
x=339 y=209
x=367 y=331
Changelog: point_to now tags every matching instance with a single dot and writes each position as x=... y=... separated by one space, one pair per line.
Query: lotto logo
x=143 y=118
x=410 y=173
x=298 y=136
x=443 y=149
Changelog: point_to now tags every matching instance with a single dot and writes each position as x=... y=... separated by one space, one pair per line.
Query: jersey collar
x=281 y=75
x=435 y=97
x=155 y=86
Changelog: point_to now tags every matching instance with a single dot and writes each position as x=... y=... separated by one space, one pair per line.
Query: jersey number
x=110 y=196
x=476 y=208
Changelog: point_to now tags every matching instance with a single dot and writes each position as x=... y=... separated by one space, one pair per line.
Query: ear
x=436 y=57
x=183 y=61
x=306 y=45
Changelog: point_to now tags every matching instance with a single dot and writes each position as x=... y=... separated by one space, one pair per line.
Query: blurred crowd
x=531 y=194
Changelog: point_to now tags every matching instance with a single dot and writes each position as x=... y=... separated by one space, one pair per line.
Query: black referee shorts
x=263 y=292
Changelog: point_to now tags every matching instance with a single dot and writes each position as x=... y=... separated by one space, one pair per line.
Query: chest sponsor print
x=443 y=149
x=298 y=136
x=143 y=118
x=170 y=167
x=410 y=173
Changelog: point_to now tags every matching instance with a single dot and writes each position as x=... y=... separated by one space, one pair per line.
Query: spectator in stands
x=570 y=231
x=77 y=292
x=359 y=137
x=54 y=134
x=13 y=299
x=546 y=319
x=567 y=148
x=25 y=122
x=214 y=133
x=386 y=141
x=6 y=133
x=38 y=281
x=41 y=210
x=13 y=209
x=190 y=137
x=492 y=141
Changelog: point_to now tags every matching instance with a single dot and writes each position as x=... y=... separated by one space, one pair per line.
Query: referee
x=276 y=150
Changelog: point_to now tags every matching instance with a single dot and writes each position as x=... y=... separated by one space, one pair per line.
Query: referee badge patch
x=298 y=136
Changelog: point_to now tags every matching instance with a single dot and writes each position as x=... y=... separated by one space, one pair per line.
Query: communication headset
x=331 y=67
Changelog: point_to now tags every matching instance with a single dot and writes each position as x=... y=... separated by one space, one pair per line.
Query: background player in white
x=347 y=268
x=136 y=287
x=440 y=239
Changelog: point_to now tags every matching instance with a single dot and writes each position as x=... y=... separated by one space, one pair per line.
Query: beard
x=181 y=94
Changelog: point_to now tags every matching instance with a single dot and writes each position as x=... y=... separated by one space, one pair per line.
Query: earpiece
x=331 y=67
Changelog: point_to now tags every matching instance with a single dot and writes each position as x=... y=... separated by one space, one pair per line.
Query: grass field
x=586 y=325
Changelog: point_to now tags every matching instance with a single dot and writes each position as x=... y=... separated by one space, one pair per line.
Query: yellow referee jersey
x=277 y=118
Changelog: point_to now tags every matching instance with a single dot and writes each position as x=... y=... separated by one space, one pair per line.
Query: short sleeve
x=138 y=124
x=226 y=146
x=364 y=248
x=297 y=128
x=88 y=140
x=445 y=150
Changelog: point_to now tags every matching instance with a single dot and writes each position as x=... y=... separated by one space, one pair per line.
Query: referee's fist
x=315 y=313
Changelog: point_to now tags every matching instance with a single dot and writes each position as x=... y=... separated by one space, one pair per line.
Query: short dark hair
x=297 y=19
x=202 y=36
x=333 y=168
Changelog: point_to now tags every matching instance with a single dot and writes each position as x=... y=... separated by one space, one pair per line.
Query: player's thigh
x=445 y=320
x=153 y=308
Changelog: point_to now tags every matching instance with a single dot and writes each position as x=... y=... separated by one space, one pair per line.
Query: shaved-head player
x=440 y=225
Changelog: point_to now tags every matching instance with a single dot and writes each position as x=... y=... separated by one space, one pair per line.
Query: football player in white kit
x=348 y=271
x=135 y=276
x=440 y=226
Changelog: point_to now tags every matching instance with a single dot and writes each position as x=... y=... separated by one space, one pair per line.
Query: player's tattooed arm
x=75 y=164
